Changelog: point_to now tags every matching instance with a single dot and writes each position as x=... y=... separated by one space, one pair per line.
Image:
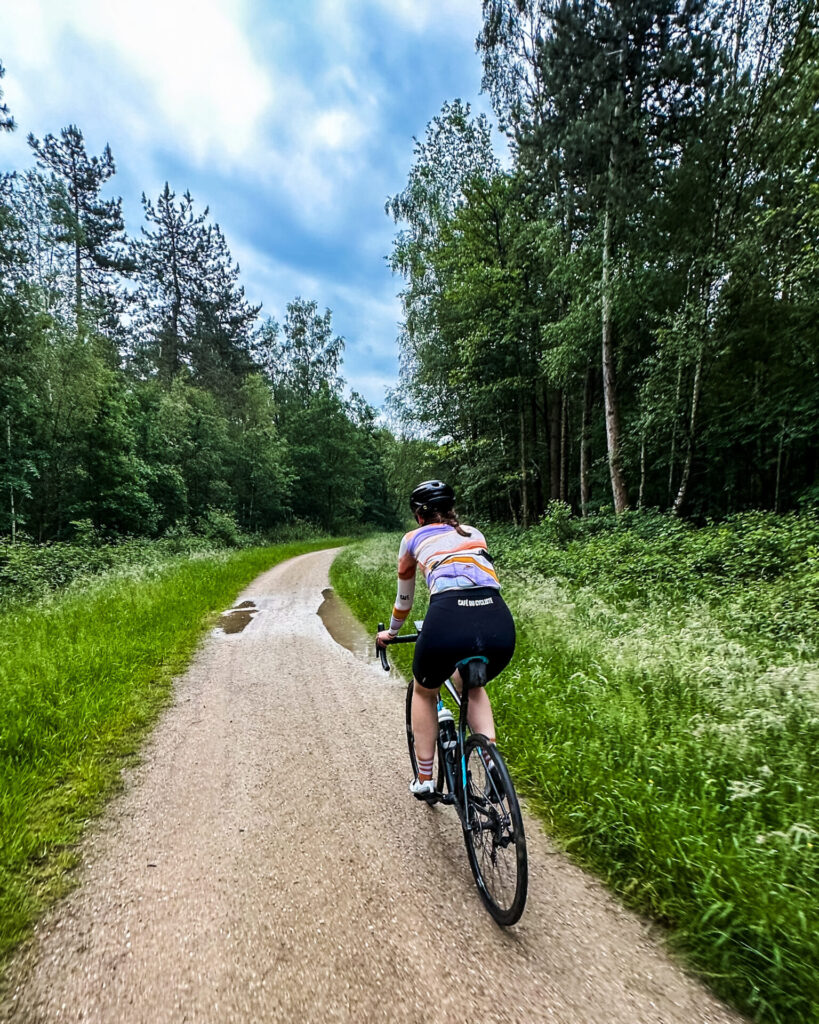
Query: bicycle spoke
x=494 y=833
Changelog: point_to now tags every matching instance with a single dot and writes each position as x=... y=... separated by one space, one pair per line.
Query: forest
x=626 y=313
x=622 y=314
x=141 y=393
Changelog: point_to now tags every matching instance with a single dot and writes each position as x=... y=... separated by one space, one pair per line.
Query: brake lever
x=382 y=651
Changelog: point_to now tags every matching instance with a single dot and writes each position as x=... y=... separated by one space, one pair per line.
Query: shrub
x=218 y=525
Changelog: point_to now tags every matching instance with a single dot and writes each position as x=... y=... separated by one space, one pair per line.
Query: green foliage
x=757 y=572
x=662 y=188
x=661 y=712
x=160 y=404
x=216 y=524
x=83 y=675
x=30 y=572
x=88 y=224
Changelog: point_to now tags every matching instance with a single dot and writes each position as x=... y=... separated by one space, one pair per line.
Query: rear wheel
x=493 y=832
x=438 y=767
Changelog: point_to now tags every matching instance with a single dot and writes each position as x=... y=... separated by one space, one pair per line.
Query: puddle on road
x=237 y=618
x=344 y=627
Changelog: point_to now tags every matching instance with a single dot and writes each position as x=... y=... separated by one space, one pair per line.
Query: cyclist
x=466 y=616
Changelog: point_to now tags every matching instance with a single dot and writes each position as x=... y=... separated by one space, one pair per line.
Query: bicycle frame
x=457 y=789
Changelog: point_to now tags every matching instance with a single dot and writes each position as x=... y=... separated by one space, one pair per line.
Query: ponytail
x=448 y=518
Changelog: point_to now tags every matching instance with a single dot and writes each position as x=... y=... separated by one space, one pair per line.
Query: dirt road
x=266 y=863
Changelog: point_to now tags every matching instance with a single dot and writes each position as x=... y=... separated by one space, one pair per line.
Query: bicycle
x=473 y=777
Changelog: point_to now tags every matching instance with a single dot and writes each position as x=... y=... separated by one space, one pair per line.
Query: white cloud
x=424 y=15
x=186 y=65
x=373 y=386
x=269 y=280
x=338 y=129
x=183 y=77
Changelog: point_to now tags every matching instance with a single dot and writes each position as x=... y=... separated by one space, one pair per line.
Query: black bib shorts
x=460 y=623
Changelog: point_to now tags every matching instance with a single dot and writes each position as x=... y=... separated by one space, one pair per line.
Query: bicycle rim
x=494 y=836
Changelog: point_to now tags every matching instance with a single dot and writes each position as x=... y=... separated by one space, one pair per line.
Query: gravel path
x=266 y=863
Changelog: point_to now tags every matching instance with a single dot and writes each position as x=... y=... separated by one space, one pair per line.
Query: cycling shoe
x=422 y=790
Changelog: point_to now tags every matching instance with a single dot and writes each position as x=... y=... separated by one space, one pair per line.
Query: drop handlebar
x=408 y=638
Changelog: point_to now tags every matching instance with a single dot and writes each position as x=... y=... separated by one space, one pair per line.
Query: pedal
x=428 y=798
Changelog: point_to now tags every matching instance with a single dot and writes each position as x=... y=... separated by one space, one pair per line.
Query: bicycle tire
x=438 y=769
x=494 y=836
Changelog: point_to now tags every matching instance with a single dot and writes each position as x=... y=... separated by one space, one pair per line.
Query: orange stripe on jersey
x=406 y=567
x=473 y=561
x=468 y=546
x=400 y=615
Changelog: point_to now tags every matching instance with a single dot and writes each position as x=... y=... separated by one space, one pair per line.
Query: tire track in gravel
x=266 y=863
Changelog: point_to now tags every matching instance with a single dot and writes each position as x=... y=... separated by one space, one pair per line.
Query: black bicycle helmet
x=432 y=494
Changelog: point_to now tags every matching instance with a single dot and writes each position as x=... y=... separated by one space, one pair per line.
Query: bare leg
x=424 y=721
x=480 y=709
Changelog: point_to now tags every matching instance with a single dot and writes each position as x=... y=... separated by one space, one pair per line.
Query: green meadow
x=83 y=674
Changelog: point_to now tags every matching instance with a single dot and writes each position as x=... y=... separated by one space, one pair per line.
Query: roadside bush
x=220 y=526
x=758 y=572
x=29 y=572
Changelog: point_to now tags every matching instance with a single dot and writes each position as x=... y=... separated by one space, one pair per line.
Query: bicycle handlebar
x=408 y=638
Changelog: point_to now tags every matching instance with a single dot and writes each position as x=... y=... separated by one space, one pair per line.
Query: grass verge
x=673 y=754
x=82 y=677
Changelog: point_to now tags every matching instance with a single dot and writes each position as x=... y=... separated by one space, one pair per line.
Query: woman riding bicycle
x=466 y=616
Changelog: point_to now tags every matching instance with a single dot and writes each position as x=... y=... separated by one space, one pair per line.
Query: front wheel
x=493 y=832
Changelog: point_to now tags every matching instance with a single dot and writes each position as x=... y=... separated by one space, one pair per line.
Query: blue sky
x=292 y=120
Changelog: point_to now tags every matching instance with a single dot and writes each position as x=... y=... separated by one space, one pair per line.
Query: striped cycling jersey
x=448 y=561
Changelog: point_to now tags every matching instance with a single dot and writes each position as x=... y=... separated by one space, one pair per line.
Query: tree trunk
x=564 y=432
x=554 y=446
x=642 y=472
x=512 y=511
x=11 y=485
x=176 y=308
x=779 y=454
x=674 y=432
x=77 y=259
x=584 y=443
x=535 y=456
x=511 y=503
x=524 y=489
x=618 y=486
x=78 y=282
x=692 y=426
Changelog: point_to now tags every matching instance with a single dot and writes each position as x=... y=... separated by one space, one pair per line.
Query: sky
x=293 y=120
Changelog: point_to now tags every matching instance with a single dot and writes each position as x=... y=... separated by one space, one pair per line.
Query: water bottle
x=446 y=728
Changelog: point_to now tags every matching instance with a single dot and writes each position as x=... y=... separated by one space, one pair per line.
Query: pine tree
x=225 y=320
x=91 y=226
x=191 y=310
x=302 y=356
x=6 y=120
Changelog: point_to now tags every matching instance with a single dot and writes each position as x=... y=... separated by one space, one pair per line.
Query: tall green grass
x=82 y=676
x=670 y=743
